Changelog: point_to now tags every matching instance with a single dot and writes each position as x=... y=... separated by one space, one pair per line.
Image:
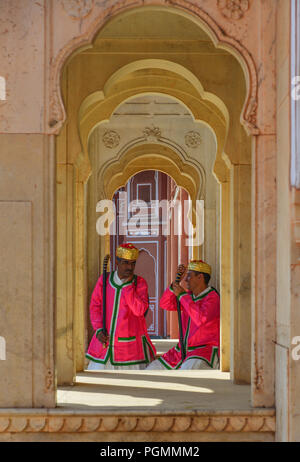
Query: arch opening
x=113 y=73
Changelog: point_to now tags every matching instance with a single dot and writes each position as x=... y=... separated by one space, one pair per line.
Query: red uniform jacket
x=201 y=326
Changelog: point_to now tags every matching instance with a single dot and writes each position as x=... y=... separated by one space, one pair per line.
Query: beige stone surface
x=16 y=302
x=22 y=66
x=264 y=269
x=27 y=271
x=65 y=362
x=225 y=283
x=241 y=272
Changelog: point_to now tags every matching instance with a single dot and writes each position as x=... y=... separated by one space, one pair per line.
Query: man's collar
x=117 y=279
x=203 y=292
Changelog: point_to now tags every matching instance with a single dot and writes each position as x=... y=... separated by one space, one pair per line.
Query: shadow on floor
x=167 y=390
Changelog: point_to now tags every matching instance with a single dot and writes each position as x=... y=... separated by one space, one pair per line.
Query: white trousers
x=93 y=366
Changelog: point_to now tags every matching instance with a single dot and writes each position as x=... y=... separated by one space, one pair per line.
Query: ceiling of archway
x=156 y=31
x=156 y=23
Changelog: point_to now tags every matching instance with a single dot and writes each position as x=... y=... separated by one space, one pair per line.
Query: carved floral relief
x=192 y=139
x=233 y=9
x=111 y=139
x=77 y=9
x=152 y=132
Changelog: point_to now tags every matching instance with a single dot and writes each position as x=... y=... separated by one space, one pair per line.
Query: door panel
x=146 y=186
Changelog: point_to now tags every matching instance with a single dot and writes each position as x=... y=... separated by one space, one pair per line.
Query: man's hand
x=102 y=338
x=177 y=288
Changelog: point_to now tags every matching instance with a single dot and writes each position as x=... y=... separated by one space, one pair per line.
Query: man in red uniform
x=127 y=344
x=200 y=314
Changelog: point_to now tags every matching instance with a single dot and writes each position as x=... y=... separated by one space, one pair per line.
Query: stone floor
x=155 y=391
x=144 y=406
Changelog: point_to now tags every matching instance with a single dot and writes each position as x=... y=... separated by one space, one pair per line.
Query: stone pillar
x=294 y=371
x=65 y=275
x=79 y=331
x=27 y=203
x=27 y=293
x=225 y=284
x=264 y=270
x=241 y=273
x=264 y=211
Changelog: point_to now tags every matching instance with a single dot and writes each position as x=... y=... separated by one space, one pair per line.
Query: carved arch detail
x=57 y=113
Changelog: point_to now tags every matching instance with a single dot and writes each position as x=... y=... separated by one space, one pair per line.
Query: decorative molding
x=57 y=115
x=193 y=139
x=111 y=139
x=118 y=164
x=183 y=171
x=152 y=133
x=251 y=114
x=78 y=9
x=233 y=9
x=62 y=423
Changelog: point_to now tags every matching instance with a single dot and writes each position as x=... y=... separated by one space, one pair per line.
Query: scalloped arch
x=116 y=173
x=171 y=67
x=188 y=175
x=57 y=113
x=97 y=108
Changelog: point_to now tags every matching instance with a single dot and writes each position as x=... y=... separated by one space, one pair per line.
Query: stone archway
x=34 y=114
x=128 y=144
x=195 y=14
x=232 y=169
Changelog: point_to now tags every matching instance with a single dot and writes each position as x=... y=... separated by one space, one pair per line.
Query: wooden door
x=146 y=235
